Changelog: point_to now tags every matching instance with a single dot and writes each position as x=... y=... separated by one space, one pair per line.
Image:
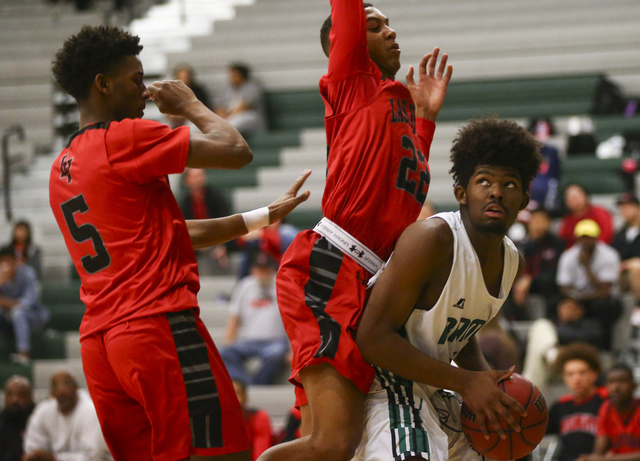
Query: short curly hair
x=585 y=352
x=492 y=141
x=92 y=51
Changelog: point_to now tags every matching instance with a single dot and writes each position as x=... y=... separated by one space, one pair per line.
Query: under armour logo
x=460 y=303
x=353 y=249
x=65 y=168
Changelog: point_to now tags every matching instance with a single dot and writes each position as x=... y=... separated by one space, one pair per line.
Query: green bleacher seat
x=294 y=109
x=304 y=219
x=609 y=125
x=63 y=301
x=598 y=176
x=520 y=97
x=8 y=369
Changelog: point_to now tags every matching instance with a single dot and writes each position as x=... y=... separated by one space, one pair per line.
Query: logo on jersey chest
x=403 y=112
x=65 y=168
x=460 y=330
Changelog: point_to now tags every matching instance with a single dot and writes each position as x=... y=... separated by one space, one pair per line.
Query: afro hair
x=92 y=51
x=494 y=142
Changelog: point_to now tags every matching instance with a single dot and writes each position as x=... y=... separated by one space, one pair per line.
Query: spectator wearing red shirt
x=258 y=422
x=618 y=435
x=579 y=207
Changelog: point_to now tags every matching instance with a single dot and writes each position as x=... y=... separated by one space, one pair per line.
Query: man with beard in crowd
x=18 y=405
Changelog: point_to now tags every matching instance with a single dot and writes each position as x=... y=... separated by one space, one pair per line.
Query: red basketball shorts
x=321 y=294
x=161 y=390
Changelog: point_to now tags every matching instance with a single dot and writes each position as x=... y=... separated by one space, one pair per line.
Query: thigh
x=177 y=375
x=320 y=295
x=123 y=420
x=447 y=407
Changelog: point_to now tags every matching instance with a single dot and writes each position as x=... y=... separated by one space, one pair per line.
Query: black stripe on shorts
x=205 y=413
x=324 y=264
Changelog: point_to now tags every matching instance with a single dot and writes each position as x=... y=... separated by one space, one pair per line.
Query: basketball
x=532 y=427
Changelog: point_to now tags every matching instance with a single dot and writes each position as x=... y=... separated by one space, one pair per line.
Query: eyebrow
x=486 y=171
x=377 y=19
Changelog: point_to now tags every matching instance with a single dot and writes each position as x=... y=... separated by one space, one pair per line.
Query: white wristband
x=256 y=219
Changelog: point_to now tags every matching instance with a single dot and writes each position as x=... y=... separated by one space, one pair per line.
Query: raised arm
x=423 y=250
x=429 y=91
x=219 y=145
x=210 y=232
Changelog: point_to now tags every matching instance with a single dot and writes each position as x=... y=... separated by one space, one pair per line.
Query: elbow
x=242 y=157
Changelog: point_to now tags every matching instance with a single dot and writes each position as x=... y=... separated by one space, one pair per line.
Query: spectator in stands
x=25 y=250
x=65 y=427
x=255 y=327
x=544 y=188
x=185 y=73
x=545 y=337
x=589 y=273
x=579 y=207
x=18 y=405
x=272 y=240
x=21 y=311
x=291 y=429
x=627 y=243
x=258 y=422
x=204 y=201
x=574 y=417
x=618 y=436
x=243 y=101
x=541 y=249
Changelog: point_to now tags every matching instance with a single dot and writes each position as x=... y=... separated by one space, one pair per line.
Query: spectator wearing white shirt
x=65 y=426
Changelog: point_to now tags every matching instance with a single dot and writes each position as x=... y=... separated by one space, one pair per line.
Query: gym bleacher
x=511 y=59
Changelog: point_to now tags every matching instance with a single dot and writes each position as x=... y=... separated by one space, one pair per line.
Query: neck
x=486 y=244
x=624 y=407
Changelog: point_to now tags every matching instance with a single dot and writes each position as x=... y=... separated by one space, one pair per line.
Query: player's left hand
x=429 y=91
x=287 y=202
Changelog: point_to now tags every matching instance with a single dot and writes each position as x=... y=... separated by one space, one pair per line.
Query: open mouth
x=495 y=211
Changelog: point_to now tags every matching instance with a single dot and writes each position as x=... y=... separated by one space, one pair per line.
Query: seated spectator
x=204 y=201
x=589 y=273
x=65 y=427
x=258 y=422
x=618 y=436
x=545 y=337
x=544 y=188
x=627 y=243
x=574 y=417
x=272 y=240
x=541 y=249
x=243 y=102
x=25 y=250
x=18 y=405
x=21 y=311
x=579 y=207
x=255 y=327
x=186 y=74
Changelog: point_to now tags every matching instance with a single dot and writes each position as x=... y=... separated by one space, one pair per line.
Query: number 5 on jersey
x=101 y=260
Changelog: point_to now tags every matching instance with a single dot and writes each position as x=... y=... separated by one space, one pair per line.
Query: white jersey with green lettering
x=465 y=304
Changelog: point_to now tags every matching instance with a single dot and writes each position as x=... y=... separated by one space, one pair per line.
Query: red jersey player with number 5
x=157 y=381
x=379 y=132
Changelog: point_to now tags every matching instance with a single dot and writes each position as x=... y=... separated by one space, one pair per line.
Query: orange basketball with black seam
x=532 y=427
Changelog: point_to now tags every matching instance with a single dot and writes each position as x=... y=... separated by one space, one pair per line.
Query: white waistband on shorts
x=349 y=245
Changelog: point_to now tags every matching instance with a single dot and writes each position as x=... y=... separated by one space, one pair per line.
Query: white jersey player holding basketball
x=448 y=276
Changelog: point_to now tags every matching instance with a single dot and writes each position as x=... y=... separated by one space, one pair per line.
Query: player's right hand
x=171 y=96
x=286 y=203
x=492 y=406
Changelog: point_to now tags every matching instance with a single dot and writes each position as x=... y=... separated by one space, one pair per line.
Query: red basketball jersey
x=122 y=226
x=622 y=431
x=377 y=174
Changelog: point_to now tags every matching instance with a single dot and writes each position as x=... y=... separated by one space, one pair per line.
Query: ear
x=102 y=84
x=460 y=194
x=525 y=201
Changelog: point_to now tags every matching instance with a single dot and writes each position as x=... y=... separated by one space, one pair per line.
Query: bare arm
x=421 y=252
x=231 y=332
x=210 y=232
x=220 y=145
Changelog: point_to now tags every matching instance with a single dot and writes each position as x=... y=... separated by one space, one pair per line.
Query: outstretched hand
x=488 y=402
x=431 y=88
x=287 y=202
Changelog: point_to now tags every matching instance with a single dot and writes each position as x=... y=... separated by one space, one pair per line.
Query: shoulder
x=45 y=410
x=433 y=233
